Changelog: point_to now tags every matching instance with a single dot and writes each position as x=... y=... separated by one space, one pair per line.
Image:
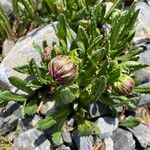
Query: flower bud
x=124 y=85
x=63 y=69
x=48 y=52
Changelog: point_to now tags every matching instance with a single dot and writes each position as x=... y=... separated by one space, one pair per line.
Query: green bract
x=93 y=58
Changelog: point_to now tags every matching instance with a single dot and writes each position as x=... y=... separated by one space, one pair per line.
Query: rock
x=142 y=28
x=48 y=107
x=98 y=109
x=123 y=140
x=7 y=46
x=144 y=100
x=71 y=122
x=143 y=75
x=31 y=140
x=109 y=144
x=82 y=142
x=7 y=6
x=142 y=134
x=63 y=147
x=107 y=125
x=66 y=136
x=9 y=117
x=25 y=124
x=22 y=52
x=145 y=57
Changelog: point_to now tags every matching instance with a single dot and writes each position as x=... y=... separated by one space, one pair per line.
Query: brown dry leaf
x=98 y=146
x=144 y=116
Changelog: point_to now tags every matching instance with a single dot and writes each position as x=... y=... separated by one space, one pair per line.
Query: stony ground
x=21 y=131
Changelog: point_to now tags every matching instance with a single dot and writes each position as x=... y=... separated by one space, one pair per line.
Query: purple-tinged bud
x=48 y=51
x=63 y=69
x=124 y=85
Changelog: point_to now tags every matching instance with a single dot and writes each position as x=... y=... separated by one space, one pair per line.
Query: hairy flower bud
x=63 y=69
x=48 y=52
x=124 y=85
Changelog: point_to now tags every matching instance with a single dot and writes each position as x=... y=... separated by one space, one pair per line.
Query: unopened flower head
x=63 y=69
x=124 y=85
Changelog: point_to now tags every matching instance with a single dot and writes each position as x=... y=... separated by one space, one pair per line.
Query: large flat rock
x=22 y=52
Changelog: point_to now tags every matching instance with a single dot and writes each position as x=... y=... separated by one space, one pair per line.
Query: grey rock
x=98 y=109
x=148 y=148
x=123 y=140
x=107 y=125
x=25 y=124
x=144 y=100
x=71 y=122
x=142 y=133
x=7 y=6
x=63 y=147
x=143 y=75
x=7 y=46
x=109 y=144
x=145 y=56
x=31 y=140
x=48 y=107
x=82 y=142
x=22 y=52
x=66 y=136
x=9 y=117
x=143 y=25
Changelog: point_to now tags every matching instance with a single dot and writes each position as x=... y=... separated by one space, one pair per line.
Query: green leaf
x=98 y=88
x=23 y=69
x=56 y=137
x=130 y=123
x=114 y=75
x=9 y=96
x=141 y=89
x=130 y=55
x=50 y=121
x=134 y=65
x=87 y=128
x=38 y=73
x=20 y=84
x=29 y=110
x=46 y=123
x=64 y=95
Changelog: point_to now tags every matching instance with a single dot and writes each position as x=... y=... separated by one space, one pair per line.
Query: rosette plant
x=93 y=62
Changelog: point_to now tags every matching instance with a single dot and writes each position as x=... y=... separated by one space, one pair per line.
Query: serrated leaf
x=29 y=110
x=46 y=123
x=98 y=88
x=20 y=84
x=134 y=65
x=87 y=128
x=130 y=123
x=56 y=137
x=64 y=95
x=23 y=69
x=37 y=73
x=114 y=75
x=130 y=55
x=9 y=96
x=50 y=121
x=142 y=89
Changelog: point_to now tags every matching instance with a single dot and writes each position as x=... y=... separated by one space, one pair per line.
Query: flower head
x=63 y=69
x=124 y=85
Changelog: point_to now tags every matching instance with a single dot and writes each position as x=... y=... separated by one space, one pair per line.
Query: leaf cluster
x=100 y=44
